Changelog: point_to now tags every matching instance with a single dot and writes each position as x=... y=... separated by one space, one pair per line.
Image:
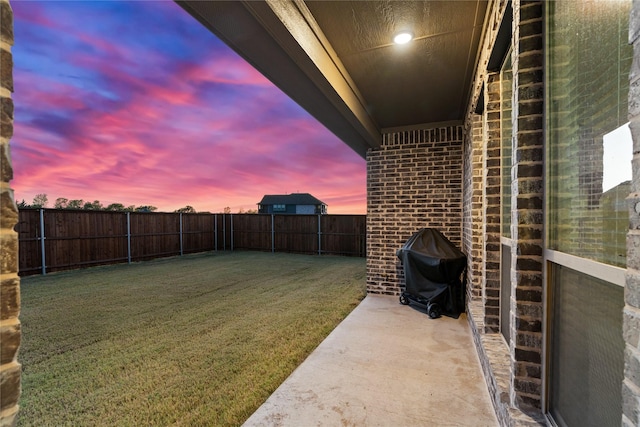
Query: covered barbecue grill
x=433 y=269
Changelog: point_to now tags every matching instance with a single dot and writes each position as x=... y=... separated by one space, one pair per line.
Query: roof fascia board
x=297 y=17
x=258 y=34
x=478 y=22
x=493 y=17
x=298 y=34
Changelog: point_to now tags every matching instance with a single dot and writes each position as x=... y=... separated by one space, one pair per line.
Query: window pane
x=587 y=356
x=587 y=69
x=506 y=83
x=505 y=292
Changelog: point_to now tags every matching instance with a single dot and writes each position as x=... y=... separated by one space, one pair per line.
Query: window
x=588 y=82
x=506 y=133
x=587 y=366
x=587 y=68
x=279 y=208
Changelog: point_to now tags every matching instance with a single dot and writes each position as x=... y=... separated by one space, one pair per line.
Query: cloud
x=138 y=103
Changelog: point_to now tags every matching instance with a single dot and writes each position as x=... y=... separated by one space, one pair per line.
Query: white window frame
x=608 y=273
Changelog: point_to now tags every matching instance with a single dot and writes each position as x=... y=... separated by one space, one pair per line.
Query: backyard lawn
x=200 y=340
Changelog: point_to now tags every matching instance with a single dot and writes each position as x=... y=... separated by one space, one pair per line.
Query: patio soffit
x=338 y=61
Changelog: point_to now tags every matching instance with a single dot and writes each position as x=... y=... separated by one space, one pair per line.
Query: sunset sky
x=137 y=103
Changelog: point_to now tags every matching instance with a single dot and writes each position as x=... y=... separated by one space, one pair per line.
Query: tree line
x=41 y=201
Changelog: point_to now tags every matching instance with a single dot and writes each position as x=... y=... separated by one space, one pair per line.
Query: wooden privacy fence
x=54 y=239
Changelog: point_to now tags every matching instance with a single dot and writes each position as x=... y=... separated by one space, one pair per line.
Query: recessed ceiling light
x=403 y=37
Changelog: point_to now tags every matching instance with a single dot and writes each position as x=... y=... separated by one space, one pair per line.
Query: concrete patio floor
x=385 y=365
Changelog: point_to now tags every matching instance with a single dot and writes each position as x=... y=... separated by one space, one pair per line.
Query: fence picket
x=319 y=236
x=181 y=237
x=42 y=248
x=129 y=237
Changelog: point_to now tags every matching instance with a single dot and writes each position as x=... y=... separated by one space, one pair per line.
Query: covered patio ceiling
x=337 y=59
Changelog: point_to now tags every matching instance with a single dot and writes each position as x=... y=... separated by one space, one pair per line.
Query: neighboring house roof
x=620 y=188
x=290 y=199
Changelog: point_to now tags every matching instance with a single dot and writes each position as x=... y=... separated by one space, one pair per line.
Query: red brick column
x=10 y=283
x=527 y=207
x=492 y=193
x=472 y=234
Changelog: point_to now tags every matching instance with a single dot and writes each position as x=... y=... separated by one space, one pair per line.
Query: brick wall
x=527 y=207
x=414 y=180
x=512 y=371
x=10 y=283
x=472 y=233
x=631 y=315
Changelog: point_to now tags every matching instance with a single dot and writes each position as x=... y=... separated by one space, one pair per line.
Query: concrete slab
x=385 y=365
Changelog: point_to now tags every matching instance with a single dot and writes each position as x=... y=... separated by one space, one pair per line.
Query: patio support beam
x=282 y=41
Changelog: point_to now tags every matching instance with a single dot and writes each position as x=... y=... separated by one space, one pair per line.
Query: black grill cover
x=432 y=269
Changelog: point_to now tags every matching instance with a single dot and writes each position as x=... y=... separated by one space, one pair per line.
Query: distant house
x=295 y=203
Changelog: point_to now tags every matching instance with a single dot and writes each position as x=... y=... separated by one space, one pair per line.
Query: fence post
x=231 y=236
x=224 y=232
x=215 y=232
x=319 y=236
x=273 y=234
x=181 y=244
x=129 y=237
x=44 y=262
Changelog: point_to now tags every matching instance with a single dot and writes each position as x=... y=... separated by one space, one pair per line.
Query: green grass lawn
x=200 y=340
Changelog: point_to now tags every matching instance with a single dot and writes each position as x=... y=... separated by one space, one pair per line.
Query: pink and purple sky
x=137 y=103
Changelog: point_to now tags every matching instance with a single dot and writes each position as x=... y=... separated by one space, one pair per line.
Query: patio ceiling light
x=403 y=37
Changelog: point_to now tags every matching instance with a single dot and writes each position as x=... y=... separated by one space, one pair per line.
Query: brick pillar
x=414 y=180
x=492 y=188
x=473 y=237
x=631 y=315
x=527 y=208
x=10 y=283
